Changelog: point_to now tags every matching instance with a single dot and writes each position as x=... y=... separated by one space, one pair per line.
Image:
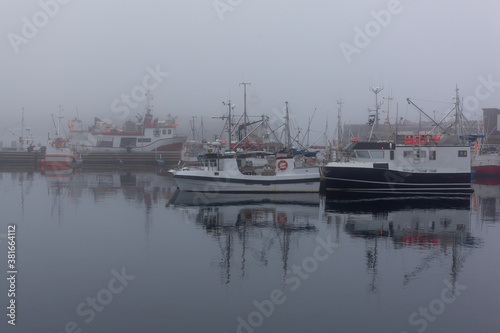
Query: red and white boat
x=59 y=155
x=486 y=164
x=144 y=135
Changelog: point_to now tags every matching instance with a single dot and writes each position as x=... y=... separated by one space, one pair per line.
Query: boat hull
x=59 y=160
x=487 y=170
x=371 y=180
x=486 y=165
x=161 y=145
x=193 y=183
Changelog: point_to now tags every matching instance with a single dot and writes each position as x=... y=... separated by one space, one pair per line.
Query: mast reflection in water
x=435 y=226
x=257 y=223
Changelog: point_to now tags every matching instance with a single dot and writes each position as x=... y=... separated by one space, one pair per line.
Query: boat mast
x=387 y=122
x=287 y=127
x=229 y=123
x=193 y=133
x=308 y=130
x=396 y=123
x=148 y=117
x=202 y=130
x=340 y=134
x=425 y=114
x=245 y=117
x=21 y=139
x=374 y=119
x=58 y=134
x=458 y=115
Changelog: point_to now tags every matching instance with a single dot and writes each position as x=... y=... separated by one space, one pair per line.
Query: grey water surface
x=121 y=251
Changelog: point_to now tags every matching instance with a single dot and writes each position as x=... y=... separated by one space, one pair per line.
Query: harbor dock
x=24 y=158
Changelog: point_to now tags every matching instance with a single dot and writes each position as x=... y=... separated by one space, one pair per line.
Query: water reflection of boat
x=405 y=219
x=486 y=203
x=145 y=189
x=374 y=204
x=432 y=226
x=215 y=199
x=250 y=227
x=59 y=173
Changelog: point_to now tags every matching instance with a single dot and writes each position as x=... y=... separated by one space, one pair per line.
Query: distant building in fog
x=491 y=118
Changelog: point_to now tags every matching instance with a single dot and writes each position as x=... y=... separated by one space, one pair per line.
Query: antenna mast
x=458 y=115
x=340 y=134
x=58 y=134
x=387 y=122
x=229 y=121
x=374 y=119
x=287 y=127
x=22 y=129
x=193 y=133
x=245 y=118
x=202 y=130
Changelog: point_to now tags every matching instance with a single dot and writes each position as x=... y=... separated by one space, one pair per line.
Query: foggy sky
x=85 y=55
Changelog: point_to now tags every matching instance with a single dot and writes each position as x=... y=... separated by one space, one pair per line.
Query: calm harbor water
x=100 y=251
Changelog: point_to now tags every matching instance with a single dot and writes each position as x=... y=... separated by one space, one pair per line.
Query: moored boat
x=486 y=165
x=147 y=134
x=421 y=164
x=59 y=155
x=384 y=167
x=229 y=173
x=249 y=171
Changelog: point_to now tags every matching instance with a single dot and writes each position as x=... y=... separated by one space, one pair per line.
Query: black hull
x=352 y=180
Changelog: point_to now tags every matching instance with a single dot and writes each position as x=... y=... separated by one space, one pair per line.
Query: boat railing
x=346 y=155
x=489 y=149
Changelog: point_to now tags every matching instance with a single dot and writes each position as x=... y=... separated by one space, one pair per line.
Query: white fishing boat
x=249 y=172
x=24 y=139
x=59 y=154
x=223 y=173
x=146 y=134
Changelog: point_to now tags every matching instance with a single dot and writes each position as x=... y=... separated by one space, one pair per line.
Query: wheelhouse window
x=377 y=154
x=128 y=142
x=432 y=155
x=407 y=154
x=362 y=154
x=164 y=131
x=420 y=154
x=105 y=142
x=462 y=153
